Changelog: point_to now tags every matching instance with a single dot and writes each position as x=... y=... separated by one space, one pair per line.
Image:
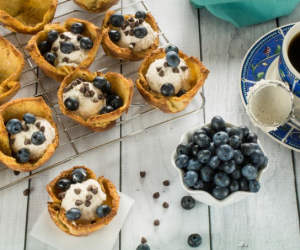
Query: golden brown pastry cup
x=171 y=104
x=16 y=109
x=10 y=70
x=113 y=50
x=122 y=86
x=96 y=6
x=58 y=214
x=27 y=16
x=59 y=73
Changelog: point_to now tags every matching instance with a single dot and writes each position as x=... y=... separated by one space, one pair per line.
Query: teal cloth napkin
x=247 y=12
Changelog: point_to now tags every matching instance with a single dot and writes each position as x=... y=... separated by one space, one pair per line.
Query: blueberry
x=249 y=171
x=71 y=103
x=182 y=149
x=256 y=146
x=86 y=43
x=67 y=47
x=208 y=131
x=204 y=156
x=227 y=130
x=245 y=130
x=23 y=155
x=214 y=162
x=194 y=165
x=188 y=202
x=77 y=28
x=247 y=148
x=182 y=161
x=194 y=240
x=172 y=59
x=217 y=124
x=235 y=141
x=220 y=193
x=190 y=178
x=29 y=118
x=73 y=214
x=140 y=14
x=14 y=126
x=63 y=184
x=257 y=158
x=196 y=133
x=244 y=184
x=236 y=131
x=246 y=160
x=221 y=179
x=50 y=58
x=114 y=35
x=212 y=148
x=251 y=137
x=143 y=247
x=190 y=146
x=140 y=32
x=180 y=93
x=225 y=152
x=115 y=101
x=52 y=36
x=236 y=174
x=38 y=138
x=102 y=84
x=195 y=150
x=206 y=173
x=172 y=48
x=229 y=166
x=238 y=157
x=167 y=89
x=233 y=186
x=79 y=175
x=106 y=109
x=116 y=20
x=103 y=210
x=200 y=185
x=44 y=47
x=220 y=138
x=202 y=140
x=254 y=186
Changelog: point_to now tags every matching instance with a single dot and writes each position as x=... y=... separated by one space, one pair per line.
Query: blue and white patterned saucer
x=261 y=62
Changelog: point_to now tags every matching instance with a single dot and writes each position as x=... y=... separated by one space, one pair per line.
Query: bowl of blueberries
x=220 y=163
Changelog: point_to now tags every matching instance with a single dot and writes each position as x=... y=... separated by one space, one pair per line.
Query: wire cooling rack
x=35 y=82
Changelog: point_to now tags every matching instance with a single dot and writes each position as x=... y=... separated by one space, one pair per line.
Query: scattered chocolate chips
x=126 y=32
x=75 y=83
x=95 y=190
x=27 y=142
x=55 y=48
x=175 y=70
x=156 y=195
x=87 y=94
x=92 y=93
x=62 y=195
x=156 y=223
x=87 y=203
x=126 y=22
x=62 y=36
x=11 y=141
x=76 y=48
x=89 y=188
x=77 y=190
x=158 y=69
x=131 y=19
x=101 y=97
x=78 y=202
x=25 y=128
x=42 y=129
x=165 y=205
x=79 y=37
x=136 y=24
x=81 y=89
x=131 y=46
x=166 y=183
x=89 y=197
x=123 y=26
x=166 y=65
x=67 y=89
x=95 y=100
x=142 y=174
x=16 y=172
x=65 y=59
x=143 y=240
x=131 y=33
x=132 y=25
x=184 y=68
x=141 y=20
x=161 y=73
x=26 y=192
x=38 y=124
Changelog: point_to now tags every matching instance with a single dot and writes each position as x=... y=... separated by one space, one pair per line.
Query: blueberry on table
x=143 y=246
x=245 y=130
x=86 y=43
x=52 y=36
x=14 y=126
x=251 y=137
x=254 y=186
x=73 y=214
x=217 y=124
x=167 y=90
x=236 y=131
x=103 y=210
x=238 y=157
x=194 y=240
x=204 y=156
x=236 y=174
x=140 y=14
x=172 y=59
x=206 y=173
x=188 y=202
x=247 y=148
x=233 y=186
x=225 y=152
x=116 y=20
x=244 y=184
x=44 y=47
x=77 y=28
x=50 y=58
x=106 y=110
x=115 y=101
x=194 y=165
x=257 y=158
x=183 y=149
x=79 y=175
x=71 y=103
x=220 y=138
x=202 y=140
x=250 y=172
x=182 y=161
x=29 y=118
x=235 y=141
x=221 y=179
x=114 y=35
x=214 y=162
x=190 y=178
x=220 y=193
x=140 y=32
x=208 y=131
x=38 y=138
x=172 y=48
x=23 y=155
x=180 y=93
x=63 y=184
x=67 y=47
x=229 y=166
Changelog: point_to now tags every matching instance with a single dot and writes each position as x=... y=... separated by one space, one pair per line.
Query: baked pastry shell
x=58 y=214
x=59 y=73
x=16 y=109
x=29 y=23
x=113 y=50
x=96 y=6
x=171 y=104
x=122 y=86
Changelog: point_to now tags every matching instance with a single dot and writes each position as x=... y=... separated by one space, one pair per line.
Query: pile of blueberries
x=79 y=175
x=221 y=160
x=66 y=47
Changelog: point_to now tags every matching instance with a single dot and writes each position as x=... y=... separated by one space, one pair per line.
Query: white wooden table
x=266 y=221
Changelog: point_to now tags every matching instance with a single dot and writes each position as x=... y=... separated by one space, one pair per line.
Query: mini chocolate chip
x=101 y=97
x=87 y=203
x=158 y=68
x=74 y=83
x=62 y=195
x=89 y=197
x=143 y=240
x=166 y=65
x=175 y=70
x=79 y=37
x=38 y=124
x=26 y=192
x=11 y=141
x=81 y=89
x=131 y=19
x=156 y=223
x=87 y=94
x=92 y=93
x=131 y=46
x=136 y=24
x=165 y=205
x=161 y=73
x=142 y=174
x=95 y=190
x=79 y=80
x=156 y=195
x=184 y=68
x=76 y=48
x=95 y=100
x=16 y=172
x=126 y=22
x=78 y=202
x=55 y=54
x=166 y=183
x=77 y=190
x=25 y=127
x=141 y=20
x=126 y=32
x=42 y=129
x=67 y=38
x=55 y=48
x=132 y=25
x=27 y=142
x=123 y=26
x=89 y=188
x=62 y=36
x=131 y=33
x=65 y=59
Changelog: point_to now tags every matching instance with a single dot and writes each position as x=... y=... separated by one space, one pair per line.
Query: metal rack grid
x=38 y=81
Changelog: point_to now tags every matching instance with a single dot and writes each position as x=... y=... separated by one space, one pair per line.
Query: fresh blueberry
x=194 y=240
x=254 y=186
x=106 y=109
x=204 y=156
x=23 y=155
x=217 y=124
x=63 y=184
x=251 y=137
x=86 y=43
x=246 y=160
x=227 y=130
x=79 y=175
x=116 y=20
x=250 y=172
x=236 y=131
x=235 y=141
x=29 y=118
x=14 y=126
x=77 y=28
x=202 y=140
x=208 y=131
x=220 y=193
x=52 y=36
x=44 y=47
x=143 y=247
x=225 y=152
x=244 y=184
x=247 y=148
x=190 y=147
x=180 y=93
x=195 y=150
x=183 y=149
x=194 y=165
x=236 y=174
x=221 y=179
x=212 y=148
x=182 y=161
x=140 y=14
x=220 y=138
x=245 y=130
x=67 y=47
x=167 y=89
x=103 y=210
x=196 y=133
x=73 y=214
x=50 y=58
x=206 y=173
x=257 y=158
x=214 y=162
x=172 y=48
x=256 y=146
x=229 y=166
x=140 y=32
x=238 y=157
x=190 y=178
x=115 y=101
x=172 y=59
x=188 y=202
x=38 y=138
x=114 y=35
x=200 y=185
x=233 y=186
x=71 y=103
x=102 y=84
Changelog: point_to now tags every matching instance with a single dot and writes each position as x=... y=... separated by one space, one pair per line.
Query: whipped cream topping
x=90 y=98
x=23 y=139
x=72 y=59
x=160 y=72
x=128 y=40
x=85 y=196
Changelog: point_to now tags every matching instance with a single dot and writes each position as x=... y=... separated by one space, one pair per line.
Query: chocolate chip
x=16 y=172
x=42 y=129
x=81 y=89
x=95 y=190
x=136 y=24
x=27 y=142
x=131 y=19
x=101 y=97
x=131 y=33
x=132 y=25
x=89 y=188
x=92 y=93
x=156 y=223
x=55 y=48
x=38 y=124
x=95 y=100
x=89 y=197
x=55 y=54
x=166 y=183
x=123 y=26
x=67 y=38
x=87 y=203
x=131 y=46
x=79 y=80
x=65 y=59
x=87 y=94
x=77 y=190
x=184 y=68
x=161 y=73
x=143 y=240
x=76 y=48
x=25 y=127
x=78 y=202
x=156 y=195
x=165 y=205
x=166 y=65
x=62 y=195
x=26 y=192
x=79 y=37
x=175 y=70
x=62 y=36
x=126 y=32
x=158 y=68
x=11 y=141
x=141 y=20
x=126 y=22
x=74 y=83
x=142 y=174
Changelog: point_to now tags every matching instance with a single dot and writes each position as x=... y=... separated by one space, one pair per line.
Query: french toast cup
x=96 y=6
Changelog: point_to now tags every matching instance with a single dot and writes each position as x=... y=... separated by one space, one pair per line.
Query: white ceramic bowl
x=204 y=196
